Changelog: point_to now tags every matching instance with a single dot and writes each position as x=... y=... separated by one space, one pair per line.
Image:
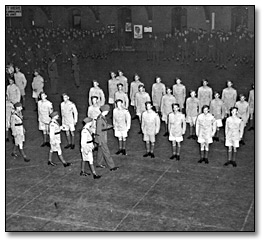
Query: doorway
x=76 y=19
x=179 y=19
x=239 y=18
x=125 y=36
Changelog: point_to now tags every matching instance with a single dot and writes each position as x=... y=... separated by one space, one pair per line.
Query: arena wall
x=161 y=23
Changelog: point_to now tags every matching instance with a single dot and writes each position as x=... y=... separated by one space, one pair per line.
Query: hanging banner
x=147 y=29
x=13 y=11
x=138 y=32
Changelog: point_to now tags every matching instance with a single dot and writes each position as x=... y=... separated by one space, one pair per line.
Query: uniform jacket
x=121 y=119
x=13 y=93
x=69 y=113
x=16 y=121
x=101 y=130
x=99 y=93
x=54 y=132
x=176 y=124
x=20 y=80
x=45 y=108
x=205 y=126
x=150 y=123
x=86 y=138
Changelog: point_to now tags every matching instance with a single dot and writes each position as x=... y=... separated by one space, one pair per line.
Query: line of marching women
x=203 y=113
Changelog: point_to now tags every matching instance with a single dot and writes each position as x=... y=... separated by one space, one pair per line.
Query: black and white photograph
x=138 y=32
x=130 y=118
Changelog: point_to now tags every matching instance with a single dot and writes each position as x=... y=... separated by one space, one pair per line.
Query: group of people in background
x=204 y=111
x=34 y=48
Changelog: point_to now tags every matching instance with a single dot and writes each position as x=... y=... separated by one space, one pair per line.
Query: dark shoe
x=43 y=144
x=194 y=137
x=124 y=152
x=7 y=140
x=67 y=164
x=85 y=174
x=206 y=161
x=172 y=157
x=119 y=151
x=140 y=132
x=251 y=128
x=72 y=146
x=68 y=146
x=242 y=142
x=234 y=164
x=200 y=160
x=190 y=137
x=135 y=117
x=96 y=176
x=147 y=154
x=152 y=155
x=217 y=139
x=51 y=163
x=114 y=169
x=166 y=134
x=101 y=166
x=26 y=159
x=48 y=144
x=227 y=163
x=14 y=155
x=177 y=157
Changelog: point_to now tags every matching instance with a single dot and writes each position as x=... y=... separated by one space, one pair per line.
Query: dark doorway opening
x=76 y=19
x=179 y=19
x=239 y=18
x=125 y=37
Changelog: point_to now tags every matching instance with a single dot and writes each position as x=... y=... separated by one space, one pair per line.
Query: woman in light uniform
x=243 y=113
x=97 y=92
x=112 y=87
x=18 y=130
x=87 y=147
x=233 y=134
x=150 y=128
x=37 y=85
x=251 y=107
x=69 y=119
x=141 y=98
x=121 y=125
x=179 y=92
x=217 y=109
x=45 y=108
x=205 y=94
x=229 y=96
x=166 y=107
x=192 y=111
x=205 y=130
x=134 y=88
x=158 y=90
x=55 y=140
x=177 y=128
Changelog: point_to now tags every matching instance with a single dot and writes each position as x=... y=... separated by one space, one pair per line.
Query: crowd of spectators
x=32 y=48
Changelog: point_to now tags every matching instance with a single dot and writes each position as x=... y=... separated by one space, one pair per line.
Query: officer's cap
x=105 y=108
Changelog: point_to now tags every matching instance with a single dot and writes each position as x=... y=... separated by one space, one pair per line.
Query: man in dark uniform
x=75 y=69
x=53 y=74
x=101 y=139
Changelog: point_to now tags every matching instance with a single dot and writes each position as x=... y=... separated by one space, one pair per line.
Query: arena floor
x=144 y=194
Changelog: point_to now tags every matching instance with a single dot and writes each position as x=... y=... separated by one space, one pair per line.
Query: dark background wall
x=161 y=16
